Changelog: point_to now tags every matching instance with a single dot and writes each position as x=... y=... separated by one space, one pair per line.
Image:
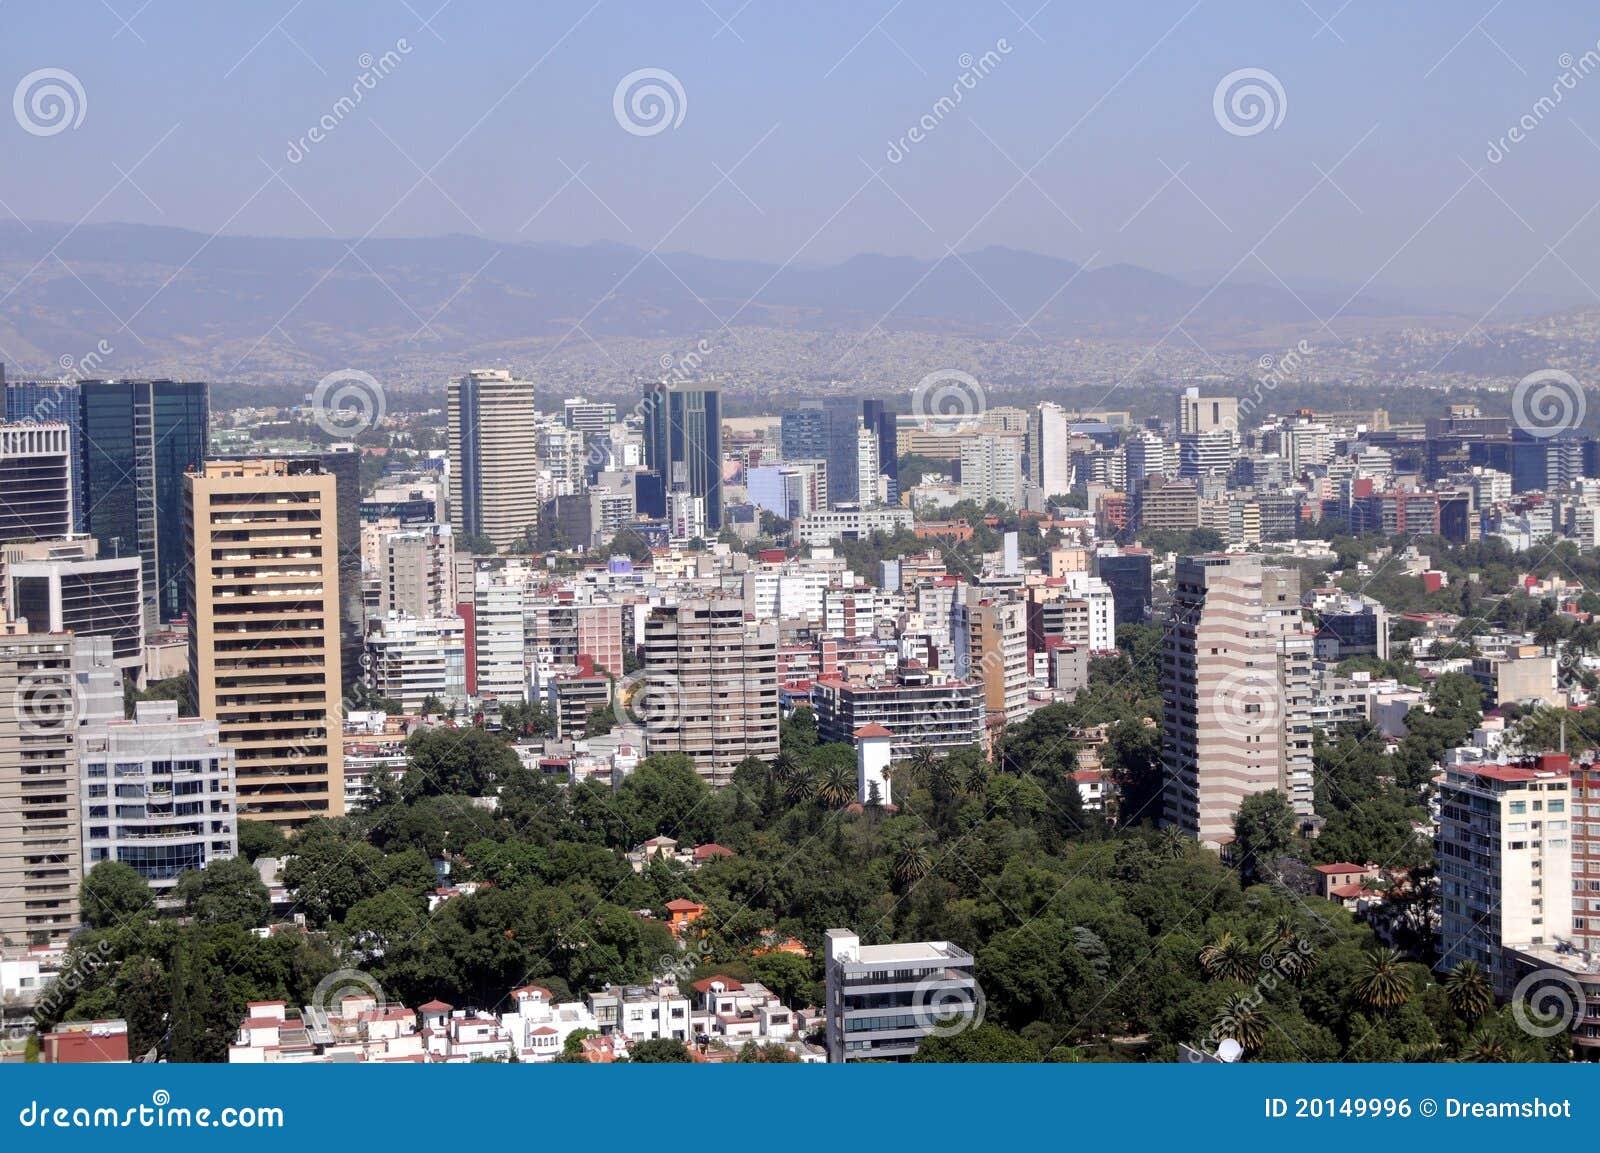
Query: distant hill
x=250 y=307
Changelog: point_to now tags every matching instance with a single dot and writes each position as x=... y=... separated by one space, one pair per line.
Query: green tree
x=225 y=892
x=662 y=1050
x=260 y=839
x=1263 y=830
x=113 y=893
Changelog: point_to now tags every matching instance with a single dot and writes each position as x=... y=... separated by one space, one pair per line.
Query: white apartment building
x=158 y=793
x=410 y=659
x=991 y=469
x=417 y=573
x=1049 y=458
x=497 y=638
x=1504 y=862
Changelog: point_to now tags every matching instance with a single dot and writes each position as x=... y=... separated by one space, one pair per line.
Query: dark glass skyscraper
x=36 y=402
x=683 y=441
x=883 y=422
x=139 y=437
x=827 y=431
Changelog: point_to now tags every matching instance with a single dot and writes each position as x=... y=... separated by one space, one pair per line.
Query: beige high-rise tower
x=41 y=861
x=264 y=630
x=709 y=688
x=1223 y=702
x=494 y=465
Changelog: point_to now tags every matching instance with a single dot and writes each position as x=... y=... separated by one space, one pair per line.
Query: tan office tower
x=494 y=466
x=264 y=630
x=41 y=861
x=1222 y=697
x=709 y=685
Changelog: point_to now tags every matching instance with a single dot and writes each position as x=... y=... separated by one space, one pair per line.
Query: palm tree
x=1468 y=990
x=785 y=766
x=1228 y=958
x=923 y=762
x=838 y=785
x=1241 y=1018
x=977 y=777
x=913 y=864
x=1488 y=1050
x=801 y=787
x=1174 y=842
x=1382 y=983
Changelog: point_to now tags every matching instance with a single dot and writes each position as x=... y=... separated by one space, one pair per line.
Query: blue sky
x=1107 y=108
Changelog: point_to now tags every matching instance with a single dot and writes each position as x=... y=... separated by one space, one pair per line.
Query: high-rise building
x=264 y=640
x=140 y=437
x=1204 y=453
x=417 y=573
x=1504 y=860
x=497 y=639
x=991 y=469
x=494 y=478
x=41 y=861
x=158 y=793
x=36 y=482
x=825 y=430
x=1222 y=700
x=1202 y=414
x=52 y=402
x=66 y=586
x=1128 y=573
x=1049 y=460
x=683 y=442
x=710 y=685
x=884 y=422
x=991 y=643
x=870 y=479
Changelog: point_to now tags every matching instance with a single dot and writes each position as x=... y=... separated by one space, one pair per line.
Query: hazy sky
x=1093 y=133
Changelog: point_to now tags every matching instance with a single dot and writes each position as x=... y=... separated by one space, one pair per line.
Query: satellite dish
x=1229 y=1050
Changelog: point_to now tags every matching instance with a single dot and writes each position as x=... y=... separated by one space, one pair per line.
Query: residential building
x=158 y=793
x=923 y=709
x=1223 y=714
x=414 y=659
x=264 y=641
x=417 y=574
x=710 y=680
x=41 y=863
x=991 y=469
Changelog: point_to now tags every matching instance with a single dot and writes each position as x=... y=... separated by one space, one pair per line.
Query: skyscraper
x=264 y=630
x=825 y=430
x=139 y=439
x=1049 y=463
x=882 y=421
x=494 y=482
x=1222 y=698
x=41 y=860
x=683 y=442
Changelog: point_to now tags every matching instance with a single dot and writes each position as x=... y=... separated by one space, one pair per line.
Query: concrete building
x=883 y=1000
x=711 y=682
x=494 y=474
x=41 y=861
x=264 y=643
x=991 y=469
x=1049 y=459
x=823 y=527
x=411 y=659
x=1504 y=863
x=991 y=648
x=1203 y=414
x=37 y=484
x=65 y=586
x=158 y=793
x=1223 y=713
x=417 y=574
x=496 y=640
x=921 y=708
